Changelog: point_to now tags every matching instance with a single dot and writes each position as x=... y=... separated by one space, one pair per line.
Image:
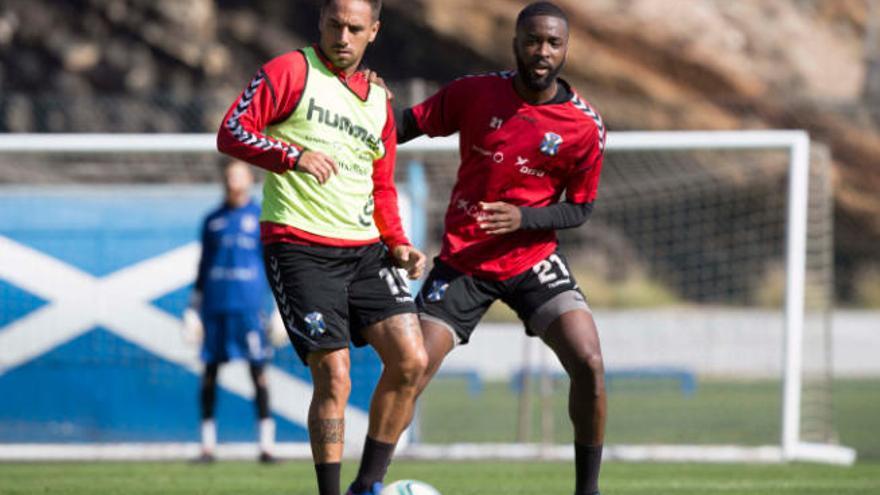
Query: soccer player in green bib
x=332 y=233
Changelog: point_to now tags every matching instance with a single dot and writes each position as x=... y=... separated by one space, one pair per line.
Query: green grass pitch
x=473 y=478
x=746 y=413
x=649 y=411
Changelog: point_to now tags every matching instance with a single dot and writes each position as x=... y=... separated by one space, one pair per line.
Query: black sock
x=261 y=391
x=587 y=461
x=328 y=478
x=209 y=390
x=374 y=464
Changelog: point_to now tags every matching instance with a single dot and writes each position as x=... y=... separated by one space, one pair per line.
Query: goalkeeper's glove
x=276 y=330
x=192 y=330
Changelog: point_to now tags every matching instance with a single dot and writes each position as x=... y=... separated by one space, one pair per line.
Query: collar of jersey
x=563 y=95
x=346 y=81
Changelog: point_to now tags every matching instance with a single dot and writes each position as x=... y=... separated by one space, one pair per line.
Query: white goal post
x=791 y=446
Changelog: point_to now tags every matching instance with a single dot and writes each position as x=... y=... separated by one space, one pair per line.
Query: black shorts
x=460 y=300
x=328 y=295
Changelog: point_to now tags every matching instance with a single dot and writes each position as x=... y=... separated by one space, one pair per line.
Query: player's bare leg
x=332 y=386
x=398 y=341
x=439 y=342
x=574 y=339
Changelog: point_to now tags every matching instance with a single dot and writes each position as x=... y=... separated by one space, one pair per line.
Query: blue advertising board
x=93 y=282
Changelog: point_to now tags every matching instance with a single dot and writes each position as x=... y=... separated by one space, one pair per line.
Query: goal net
x=707 y=263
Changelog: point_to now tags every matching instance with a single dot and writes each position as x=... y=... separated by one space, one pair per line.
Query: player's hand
x=500 y=218
x=317 y=164
x=192 y=330
x=410 y=259
x=195 y=300
x=276 y=329
x=374 y=78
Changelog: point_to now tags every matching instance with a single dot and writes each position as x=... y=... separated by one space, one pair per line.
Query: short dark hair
x=375 y=5
x=537 y=9
x=224 y=162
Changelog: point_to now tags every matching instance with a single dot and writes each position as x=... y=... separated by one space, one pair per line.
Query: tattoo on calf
x=324 y=431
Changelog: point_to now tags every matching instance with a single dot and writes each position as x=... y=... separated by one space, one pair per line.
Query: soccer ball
x=409 y=487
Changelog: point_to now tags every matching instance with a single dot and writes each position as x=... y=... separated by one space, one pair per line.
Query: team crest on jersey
x=551 y=143
x=315 y=324
x=249 y=223
x=438 y=290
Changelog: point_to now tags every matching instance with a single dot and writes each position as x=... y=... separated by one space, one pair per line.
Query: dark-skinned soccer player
x=526 y=138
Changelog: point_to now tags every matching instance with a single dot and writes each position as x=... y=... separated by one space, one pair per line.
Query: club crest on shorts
x=315 y=324
x=438 y=290
x=551 y=143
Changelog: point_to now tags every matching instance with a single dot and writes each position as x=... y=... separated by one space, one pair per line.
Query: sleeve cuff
x=393 y=242
x=294 y=164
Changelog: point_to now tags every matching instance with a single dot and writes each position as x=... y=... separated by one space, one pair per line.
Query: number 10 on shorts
x=396 y=285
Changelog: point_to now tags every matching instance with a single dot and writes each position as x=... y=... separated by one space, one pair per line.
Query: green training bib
x=332 y=119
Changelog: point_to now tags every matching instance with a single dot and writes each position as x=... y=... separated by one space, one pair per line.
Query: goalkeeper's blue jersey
x=231 y=276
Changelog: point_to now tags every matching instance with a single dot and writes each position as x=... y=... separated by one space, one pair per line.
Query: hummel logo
x=521 y=161
x=496 y=123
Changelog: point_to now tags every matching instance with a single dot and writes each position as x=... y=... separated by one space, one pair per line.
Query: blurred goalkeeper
x=228 y=303
x=530 y=140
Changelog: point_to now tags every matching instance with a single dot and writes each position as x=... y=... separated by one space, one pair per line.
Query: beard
x=535 y=82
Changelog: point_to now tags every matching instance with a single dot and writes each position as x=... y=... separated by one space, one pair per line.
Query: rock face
x=715 y=64
x=174 y=65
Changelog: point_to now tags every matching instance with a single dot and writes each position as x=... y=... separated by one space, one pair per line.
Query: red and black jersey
x=271 y=97
x=515 y=152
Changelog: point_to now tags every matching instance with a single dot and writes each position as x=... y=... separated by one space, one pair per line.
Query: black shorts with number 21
x=459 y=300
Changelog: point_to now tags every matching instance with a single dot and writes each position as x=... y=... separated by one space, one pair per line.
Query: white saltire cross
x=120 y=302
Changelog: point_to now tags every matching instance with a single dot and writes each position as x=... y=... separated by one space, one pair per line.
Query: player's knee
x=261 y=384
x=259 y=378
x=209 y=382
x=425 y=378
x=416 y=367
x=338 y=385
x=411 y=369
x=332 y=379
x=589 y=369
x=209 y=376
